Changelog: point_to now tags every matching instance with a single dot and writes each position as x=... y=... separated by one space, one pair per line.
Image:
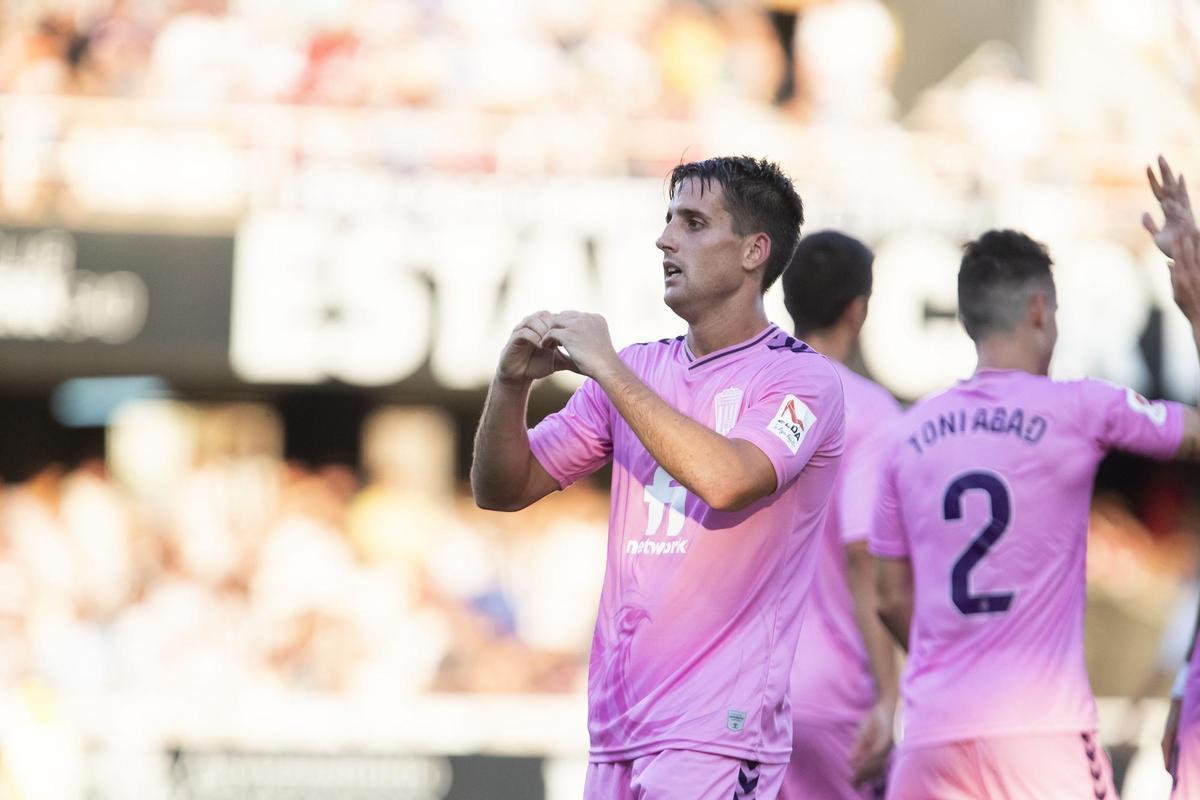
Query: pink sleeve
x=862 y=466
x=887 y=535
x=577 y=440
x=798 y=415
x=1121 y=419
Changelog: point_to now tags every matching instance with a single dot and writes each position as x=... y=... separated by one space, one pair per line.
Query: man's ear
x=1040 y=310
x=855 y=313
x=756 y=251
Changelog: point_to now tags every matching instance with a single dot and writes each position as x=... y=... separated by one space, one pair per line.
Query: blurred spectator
x=847 y=53
x=199 y=53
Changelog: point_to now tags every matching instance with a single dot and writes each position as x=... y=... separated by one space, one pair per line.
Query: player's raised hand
x=525 y=357
x=1172 y=196
x=1185 y=274
x=586 y=339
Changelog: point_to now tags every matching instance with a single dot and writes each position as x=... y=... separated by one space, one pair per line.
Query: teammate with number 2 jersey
x=982 y=531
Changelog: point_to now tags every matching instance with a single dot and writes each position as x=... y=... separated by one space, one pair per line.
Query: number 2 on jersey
x=1000 y=503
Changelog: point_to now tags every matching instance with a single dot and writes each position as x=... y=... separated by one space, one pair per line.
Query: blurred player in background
x=983 y=514
x=1181 y=734
x=724 y=444
x=844 y=680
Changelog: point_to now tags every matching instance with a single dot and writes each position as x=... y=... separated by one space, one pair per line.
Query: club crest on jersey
x=725 y=410
x=1156 y=412
x=792 y=422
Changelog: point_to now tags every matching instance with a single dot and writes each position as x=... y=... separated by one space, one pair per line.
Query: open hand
x=1173 y=198
x=526 y=357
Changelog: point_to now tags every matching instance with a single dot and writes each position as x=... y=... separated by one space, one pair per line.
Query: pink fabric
x=987 y=489
x=682 y=775
x=1063 y=766
x=700 y=609
x=1187 y=743
x=1186 y=769
x=831 y=678
x=820 y=765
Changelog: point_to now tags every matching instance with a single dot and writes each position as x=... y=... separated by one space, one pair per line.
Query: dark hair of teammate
x=759 y=197
x=999 y=272
x=828 y=271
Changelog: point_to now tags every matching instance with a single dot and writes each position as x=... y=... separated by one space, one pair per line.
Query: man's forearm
x=706 y=463
x=881 y=651
x=894 y=597
x=898 y=623
x=501 y=463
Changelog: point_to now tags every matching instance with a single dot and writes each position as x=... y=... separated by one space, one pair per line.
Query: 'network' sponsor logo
x=649 y=547
x=666 y=503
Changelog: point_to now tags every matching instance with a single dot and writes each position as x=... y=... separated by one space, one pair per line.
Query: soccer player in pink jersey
x=981 y=528
x=1181 y=737
x=844 y=680
x=724 y=445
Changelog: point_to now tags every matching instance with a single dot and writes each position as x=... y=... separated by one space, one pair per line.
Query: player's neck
x=724 y=327
x=1008 y=354
x=836 y=343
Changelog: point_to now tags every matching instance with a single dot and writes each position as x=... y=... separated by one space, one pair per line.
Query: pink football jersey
x=1186 y=767
x=700 y=608
x=986 y=489
x=832 y=679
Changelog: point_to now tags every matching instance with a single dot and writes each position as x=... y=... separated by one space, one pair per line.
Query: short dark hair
x=759 y=197
x=997 y=273
x=828 y=270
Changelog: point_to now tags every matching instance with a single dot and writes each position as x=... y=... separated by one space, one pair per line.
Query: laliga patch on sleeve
x=792 y=422
x=1157 y=412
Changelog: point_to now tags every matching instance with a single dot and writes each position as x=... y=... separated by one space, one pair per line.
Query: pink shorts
x=820 y=765
x=682 y=775
x=1042 y=767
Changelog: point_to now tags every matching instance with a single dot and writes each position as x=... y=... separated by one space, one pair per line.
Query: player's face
x=701 y=253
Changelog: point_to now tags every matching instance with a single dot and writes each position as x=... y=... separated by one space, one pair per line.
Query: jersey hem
x=762 y=440
x=875 y=548
x=934 y=739
x=1177 y=430
x=743 y=753
x=541 y=454
x=816 y=716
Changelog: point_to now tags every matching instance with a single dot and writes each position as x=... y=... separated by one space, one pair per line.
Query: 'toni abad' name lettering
x=998 y=420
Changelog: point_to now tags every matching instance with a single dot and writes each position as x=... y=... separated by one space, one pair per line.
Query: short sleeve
x=576 y=441
x=887 y=536
x=862 y=467
x=1121 y=419
x=799 y=414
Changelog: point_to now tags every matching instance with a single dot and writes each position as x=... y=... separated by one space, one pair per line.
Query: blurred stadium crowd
x=252 y=575
x=492 y=56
